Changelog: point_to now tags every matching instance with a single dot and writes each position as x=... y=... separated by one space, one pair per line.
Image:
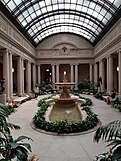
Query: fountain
x=65 y=99
x=63 y=113
x=64 y=102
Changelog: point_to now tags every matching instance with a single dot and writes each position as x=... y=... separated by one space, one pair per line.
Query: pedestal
x=3 y=99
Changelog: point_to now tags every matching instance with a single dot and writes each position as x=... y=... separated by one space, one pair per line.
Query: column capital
x=57 y=64
x=53 y=64
x=76 y=64
x=4 y=50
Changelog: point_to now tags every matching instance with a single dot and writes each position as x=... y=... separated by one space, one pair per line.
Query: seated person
x=111 y=96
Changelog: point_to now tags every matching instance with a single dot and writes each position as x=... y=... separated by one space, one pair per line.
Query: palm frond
x=108 y=132
x=21 y=138
x=13 y=126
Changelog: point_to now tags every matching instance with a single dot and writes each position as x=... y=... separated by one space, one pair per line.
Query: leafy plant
x=64 y=126
x=11 y=148
x=111 y=133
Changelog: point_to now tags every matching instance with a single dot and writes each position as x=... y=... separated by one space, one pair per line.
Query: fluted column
x=119 y=73
x=11 y=75
x=28 y=76
x=19 y=77
x=90 y=69
x=6 y=73
x=76 y=76
x=72 y=73
x=95 y=73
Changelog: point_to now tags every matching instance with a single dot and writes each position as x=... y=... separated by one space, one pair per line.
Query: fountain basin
x=61 y=109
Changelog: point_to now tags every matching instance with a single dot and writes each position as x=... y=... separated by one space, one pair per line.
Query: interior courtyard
x=42 y=40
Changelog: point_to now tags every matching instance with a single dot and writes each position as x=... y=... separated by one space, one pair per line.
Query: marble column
x=19 y=77
x=6 y=73
x=11 y=75
x=28 y=76
x=101 y=74
x=95 y=73
x=76 y=76
x=39 y=79
x=53 y=73
x=91 y=72
x=72 y=73
x=109 y=73
x=34 y=75
x=57 y=73
x=22 y=75
x=119 y=73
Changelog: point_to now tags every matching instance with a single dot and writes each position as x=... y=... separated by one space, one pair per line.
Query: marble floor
x=62 y=148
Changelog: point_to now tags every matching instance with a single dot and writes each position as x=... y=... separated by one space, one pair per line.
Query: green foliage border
x=64 y=127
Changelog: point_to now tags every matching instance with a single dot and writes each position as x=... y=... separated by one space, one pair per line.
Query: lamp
x=12 y=70
x=117 y=68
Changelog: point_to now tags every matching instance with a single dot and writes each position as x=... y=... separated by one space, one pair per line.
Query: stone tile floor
x=62 y=148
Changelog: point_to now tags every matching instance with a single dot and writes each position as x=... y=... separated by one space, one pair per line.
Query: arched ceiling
x=42 y=18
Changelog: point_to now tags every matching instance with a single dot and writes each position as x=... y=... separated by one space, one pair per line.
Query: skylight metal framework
x=42 y=18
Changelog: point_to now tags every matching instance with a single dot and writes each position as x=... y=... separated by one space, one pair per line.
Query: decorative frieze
x=57 y=53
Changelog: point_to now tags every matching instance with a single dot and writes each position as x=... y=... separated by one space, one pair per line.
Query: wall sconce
x=50 y=73
x=47 y=70
x=12 y=70
x=117 y=68
x=64 y=72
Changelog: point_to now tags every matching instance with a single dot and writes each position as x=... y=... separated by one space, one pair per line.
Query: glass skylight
x=40 y=19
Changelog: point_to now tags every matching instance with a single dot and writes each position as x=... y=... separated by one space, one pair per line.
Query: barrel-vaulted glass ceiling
x=42 y=18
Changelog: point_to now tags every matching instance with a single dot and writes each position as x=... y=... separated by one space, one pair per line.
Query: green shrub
x=64 y=126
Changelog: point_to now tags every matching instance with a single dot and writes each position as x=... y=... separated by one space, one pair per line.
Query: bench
x=21 y=99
